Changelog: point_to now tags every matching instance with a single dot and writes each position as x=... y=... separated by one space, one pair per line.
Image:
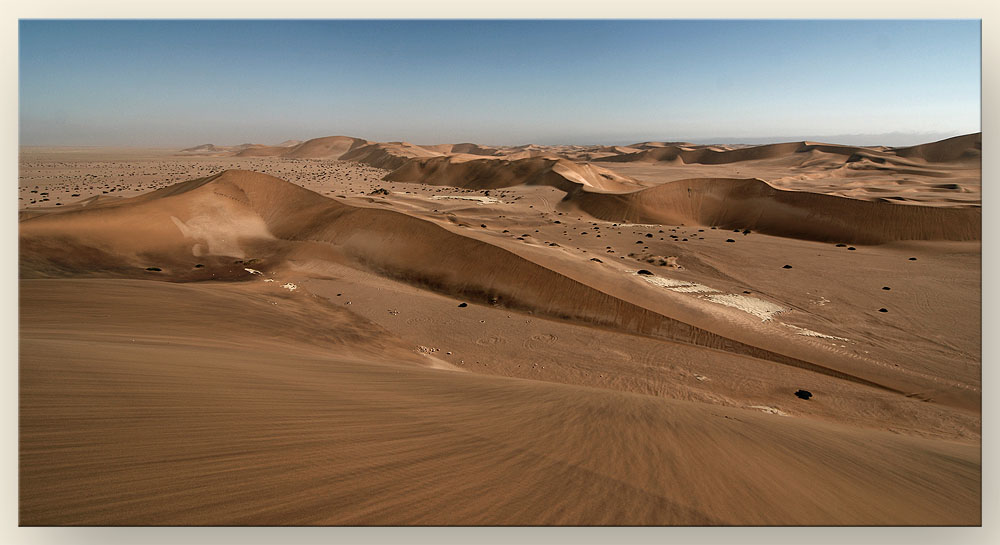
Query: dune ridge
x=498 y=173
x=500 y=335
x=756 y=205
x=965 y=148
x=266 y=219
x=327 y=147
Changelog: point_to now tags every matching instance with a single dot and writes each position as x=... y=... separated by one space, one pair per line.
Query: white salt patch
x=289 y=286
x=682 y=286
x=810 y=333
x=253 y=271
x=268 y=280
x=480 y=200
x=751 y=305
x=769 y=410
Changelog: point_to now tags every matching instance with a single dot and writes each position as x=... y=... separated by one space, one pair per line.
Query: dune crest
x=328 y=147
x=254 y=216
x=497 y=173
x=754 y=204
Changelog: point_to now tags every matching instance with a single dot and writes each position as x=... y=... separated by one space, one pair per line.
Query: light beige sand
x=241 y=349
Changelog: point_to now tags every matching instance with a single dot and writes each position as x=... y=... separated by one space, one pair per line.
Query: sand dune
x=213 y=150
x=466 y=148
x=338 y=425
x=492 y=174
x=960 y=148
x=753 y=204
x=479 y=340
x=212 y=228
x=328 y=147
x=964 y=148
x=709 y=156
x=390 y=155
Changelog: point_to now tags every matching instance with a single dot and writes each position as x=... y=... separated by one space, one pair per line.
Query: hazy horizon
x=184 y=83
x=887 y=139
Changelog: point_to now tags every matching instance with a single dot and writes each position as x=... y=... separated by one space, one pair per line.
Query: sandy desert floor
x=347 y=332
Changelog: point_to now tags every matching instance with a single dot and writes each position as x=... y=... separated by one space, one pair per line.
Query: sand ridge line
x=480 y=200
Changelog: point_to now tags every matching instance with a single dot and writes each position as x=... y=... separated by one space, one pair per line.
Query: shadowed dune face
x=241 y=219
x=263 y=222
x=493 y=174
x=328 y=147
x=966 y=148
x=575 y=347
x=753 y=204
x=960 y=148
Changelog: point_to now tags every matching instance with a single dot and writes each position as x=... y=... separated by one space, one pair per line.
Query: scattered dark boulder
x=463 y=305
x=730 y=240
x=154 y=269
x=886 y=288
x=198 y=266
x=644 y=272
x=841 y=245
x=380 y=191
x=851 y=248
x=883 y=310
x=746 y=232
x=803 y=394
x=913 y=259
x=595 y=259
x=786 y=267
x=649 y=235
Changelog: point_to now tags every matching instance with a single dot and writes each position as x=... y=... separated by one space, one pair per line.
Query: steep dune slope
x=753 y=204
x=327 y=147
x=710 y=156
x=388 y=155
x=236 y=219
x=966 y=148
x=496 y=173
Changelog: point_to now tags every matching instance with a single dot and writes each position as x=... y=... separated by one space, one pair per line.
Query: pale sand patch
x=682 y=286
x=751 y=305
x=770 y=410
x=810 y=333
x=480 y=200
x=289 y=286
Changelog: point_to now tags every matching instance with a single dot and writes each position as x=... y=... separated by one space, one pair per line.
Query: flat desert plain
x=346 y=332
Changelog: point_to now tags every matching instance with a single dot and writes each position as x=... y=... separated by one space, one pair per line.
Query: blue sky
x=187 y=82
